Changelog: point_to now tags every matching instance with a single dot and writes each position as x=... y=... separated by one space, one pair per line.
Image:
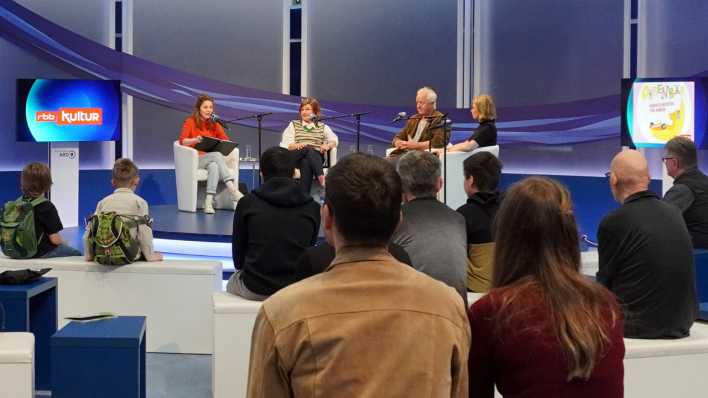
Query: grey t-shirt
x=435 y=238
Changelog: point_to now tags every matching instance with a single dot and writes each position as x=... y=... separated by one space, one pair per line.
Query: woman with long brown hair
x=544 y=330
x=200 y=124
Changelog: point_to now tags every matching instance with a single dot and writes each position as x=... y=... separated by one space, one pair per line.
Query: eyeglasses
x=665 y=158
x=608 y=174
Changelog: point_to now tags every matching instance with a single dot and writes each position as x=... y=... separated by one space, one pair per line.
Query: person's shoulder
x=188 y=121
x=246 y=202
x=45 y=206
x=437 y=296
x=615 y=218
x=279 y=306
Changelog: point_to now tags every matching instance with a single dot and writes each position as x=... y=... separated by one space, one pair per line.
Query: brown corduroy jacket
x=369 y=326
x=435 y=134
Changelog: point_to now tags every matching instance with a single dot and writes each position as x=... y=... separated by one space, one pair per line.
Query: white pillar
x=64 y=163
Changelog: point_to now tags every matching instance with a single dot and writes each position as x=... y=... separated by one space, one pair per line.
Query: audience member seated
x=483 y=110
x=431 y=233
x=124 y=202
x=272 y=227
x=369 y=326
x=316 y=259
x=645 y=255
x=424 y=129
x=35 y=181
x=544 y=330
x=309 y=142
x=690 y=190
x=482 y=172
x=200 y=124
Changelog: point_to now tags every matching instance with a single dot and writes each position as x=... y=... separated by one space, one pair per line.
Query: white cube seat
x=17 y=365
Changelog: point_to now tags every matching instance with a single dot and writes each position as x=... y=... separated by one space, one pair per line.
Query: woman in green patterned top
x=309 y=142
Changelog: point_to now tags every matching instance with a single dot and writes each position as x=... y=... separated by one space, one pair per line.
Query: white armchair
x=191 y=181
x=455 y=175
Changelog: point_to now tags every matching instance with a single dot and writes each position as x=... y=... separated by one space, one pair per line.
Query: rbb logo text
x=72 y=116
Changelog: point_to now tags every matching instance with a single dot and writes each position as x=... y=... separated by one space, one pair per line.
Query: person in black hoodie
x=272 y=228
x=482 y=172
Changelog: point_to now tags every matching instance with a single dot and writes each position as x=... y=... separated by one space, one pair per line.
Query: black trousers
x=310 y=161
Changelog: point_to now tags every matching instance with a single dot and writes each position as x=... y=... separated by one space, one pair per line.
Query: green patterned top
x=310 y=135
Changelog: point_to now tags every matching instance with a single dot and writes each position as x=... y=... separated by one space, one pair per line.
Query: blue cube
x=103 y=358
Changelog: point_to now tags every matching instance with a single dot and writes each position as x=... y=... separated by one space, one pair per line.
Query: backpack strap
x=38 y=200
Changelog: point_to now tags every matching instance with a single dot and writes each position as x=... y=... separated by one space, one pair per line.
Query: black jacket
x=272 y=227
x=479 y=212
x=646 y=260
x=696 y=215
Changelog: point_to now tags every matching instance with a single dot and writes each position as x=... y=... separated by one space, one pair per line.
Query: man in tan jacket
x=369 y=326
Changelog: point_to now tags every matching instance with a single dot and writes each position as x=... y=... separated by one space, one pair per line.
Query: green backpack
x=111 y=239
x=18 y=238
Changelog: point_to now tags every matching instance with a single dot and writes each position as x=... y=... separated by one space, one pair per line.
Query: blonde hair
x=485 y=107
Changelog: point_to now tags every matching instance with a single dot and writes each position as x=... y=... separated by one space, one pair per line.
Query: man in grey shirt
x=690 y=190
x=433 y=235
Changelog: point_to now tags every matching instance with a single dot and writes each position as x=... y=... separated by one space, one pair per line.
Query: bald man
x=646 y=257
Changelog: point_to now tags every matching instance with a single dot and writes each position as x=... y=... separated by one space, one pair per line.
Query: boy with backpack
x=30 y=225
x=119 y=232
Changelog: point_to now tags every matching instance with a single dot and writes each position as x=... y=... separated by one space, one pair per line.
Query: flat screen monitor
x=656 y=110
x=66 y=110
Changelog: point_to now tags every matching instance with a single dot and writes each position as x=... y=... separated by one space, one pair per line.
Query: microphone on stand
x=314 y=119
x=216 y=119
x=587 y=240
x=399 y=116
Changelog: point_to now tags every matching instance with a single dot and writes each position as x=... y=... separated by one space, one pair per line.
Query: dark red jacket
x=524 y=360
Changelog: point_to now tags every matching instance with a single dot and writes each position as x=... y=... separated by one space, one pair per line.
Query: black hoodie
x=479 y=212
x=272 y=227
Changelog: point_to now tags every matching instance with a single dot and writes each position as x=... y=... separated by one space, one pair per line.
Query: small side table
x=253 y=162
x=103 y=358
x=32 y=308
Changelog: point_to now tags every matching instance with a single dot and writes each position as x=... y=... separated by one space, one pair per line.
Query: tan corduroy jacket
x=369 y=326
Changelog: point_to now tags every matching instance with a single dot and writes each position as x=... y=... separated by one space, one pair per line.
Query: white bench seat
x=174 y=295
x=17 y=365
x=667 y=368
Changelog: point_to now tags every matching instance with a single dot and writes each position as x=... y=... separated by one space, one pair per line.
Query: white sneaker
x=208 y=206
x=236 y=196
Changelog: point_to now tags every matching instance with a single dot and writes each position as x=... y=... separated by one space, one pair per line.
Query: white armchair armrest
x=186 y=163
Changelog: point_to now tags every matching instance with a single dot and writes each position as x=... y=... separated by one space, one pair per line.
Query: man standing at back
x=690 y=190
x=369 y=326
x=433 y=235
x=646 y=258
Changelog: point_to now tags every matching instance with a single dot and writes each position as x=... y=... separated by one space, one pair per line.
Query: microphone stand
x=357 y=117
x=259 y=127
x=446 y=139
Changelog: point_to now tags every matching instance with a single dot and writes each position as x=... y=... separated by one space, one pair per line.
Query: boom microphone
x=216 y=119
x=399 y=116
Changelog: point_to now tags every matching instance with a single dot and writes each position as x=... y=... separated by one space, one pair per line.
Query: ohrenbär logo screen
x=68 y=110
